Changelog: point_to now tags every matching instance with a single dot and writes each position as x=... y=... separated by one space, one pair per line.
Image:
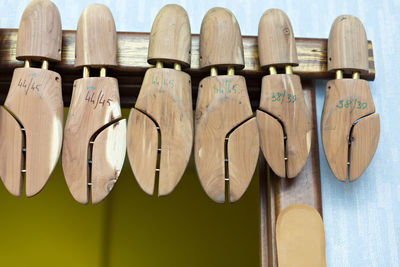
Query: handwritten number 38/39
x=279 y=97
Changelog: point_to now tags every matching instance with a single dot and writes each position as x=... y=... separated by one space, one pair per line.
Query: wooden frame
x=275 y=193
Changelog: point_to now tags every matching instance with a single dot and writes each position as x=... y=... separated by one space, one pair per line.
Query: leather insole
x=300 y=237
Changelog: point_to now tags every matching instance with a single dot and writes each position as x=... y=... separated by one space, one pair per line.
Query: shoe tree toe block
x=164 y=101
x=282 y=98
x=347 y=103
x=217 y=114
x=94 y=104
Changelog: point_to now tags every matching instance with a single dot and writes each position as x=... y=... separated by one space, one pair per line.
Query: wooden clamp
x=31 y=121
x=349 y=129
x=283 y=118
x=226 y=135
x=163 y=109
x=95 y=133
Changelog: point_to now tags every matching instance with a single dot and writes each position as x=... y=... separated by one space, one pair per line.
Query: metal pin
x=285 y=158
x=348 y=163
x=157 y=170
x=91 y=142
x=23 y=171
x=23 y=149
x=90 y=161
x=285 y=137
x=86 y=72
x=272 y=70
x=288 y=69
x=226 y=179
x=177 y=66
x=45 y=65
x=231 y=71
x=356 y=75
x=27 y=63
x=159 y=65
x=159 y=150
x=226 y=138
x=103 y=72
x=226 y=160
x=158 y=128
x=89 y=183
x=214 y=71
x=339 y=74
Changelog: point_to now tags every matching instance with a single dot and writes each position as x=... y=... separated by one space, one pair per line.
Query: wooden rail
x=132 y=63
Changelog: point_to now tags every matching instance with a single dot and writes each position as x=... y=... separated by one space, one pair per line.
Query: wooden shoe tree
x=31 y=121
x=300 y=237
x=283 y=118
x=95 y=133
x=349 y=127
x=226 y=136
x=161 y=123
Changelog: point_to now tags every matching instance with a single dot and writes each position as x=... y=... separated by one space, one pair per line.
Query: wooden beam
x=276 y=193
x=132 y=63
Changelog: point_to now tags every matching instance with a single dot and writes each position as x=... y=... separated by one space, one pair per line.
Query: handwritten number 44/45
x=280 y=97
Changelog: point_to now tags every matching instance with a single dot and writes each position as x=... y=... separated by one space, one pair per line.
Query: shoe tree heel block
x=283 y=118
x=31 y=122
x=349 y=128
x=164 y=107
x=226 y=134
x=95 y=133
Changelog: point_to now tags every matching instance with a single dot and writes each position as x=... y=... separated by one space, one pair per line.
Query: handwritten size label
x=225 y=87
x=352 y=104
x=97 y=98
x=280 y=97
x=162 y=83
x=29 y=85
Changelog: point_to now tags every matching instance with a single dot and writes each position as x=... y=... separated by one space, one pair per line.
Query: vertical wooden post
x=277 y=193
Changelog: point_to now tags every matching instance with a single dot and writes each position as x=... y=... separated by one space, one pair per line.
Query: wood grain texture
x=220 y=40
x=276 y=44
x=272 y=142
x=36 y=102
x=95 y=104
x=166 y=98
x=170 y=38
x=142 y=155
x=96 y=38
x=276 y=194
x=364 y=142
x=39 y=35
x=348 y=45
x=346 y=101
x=132 y=64
x=222 y=104
x=300 y=237
x=282 y=97
x=242 y=152
x=11 y=158
x=108 y=157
